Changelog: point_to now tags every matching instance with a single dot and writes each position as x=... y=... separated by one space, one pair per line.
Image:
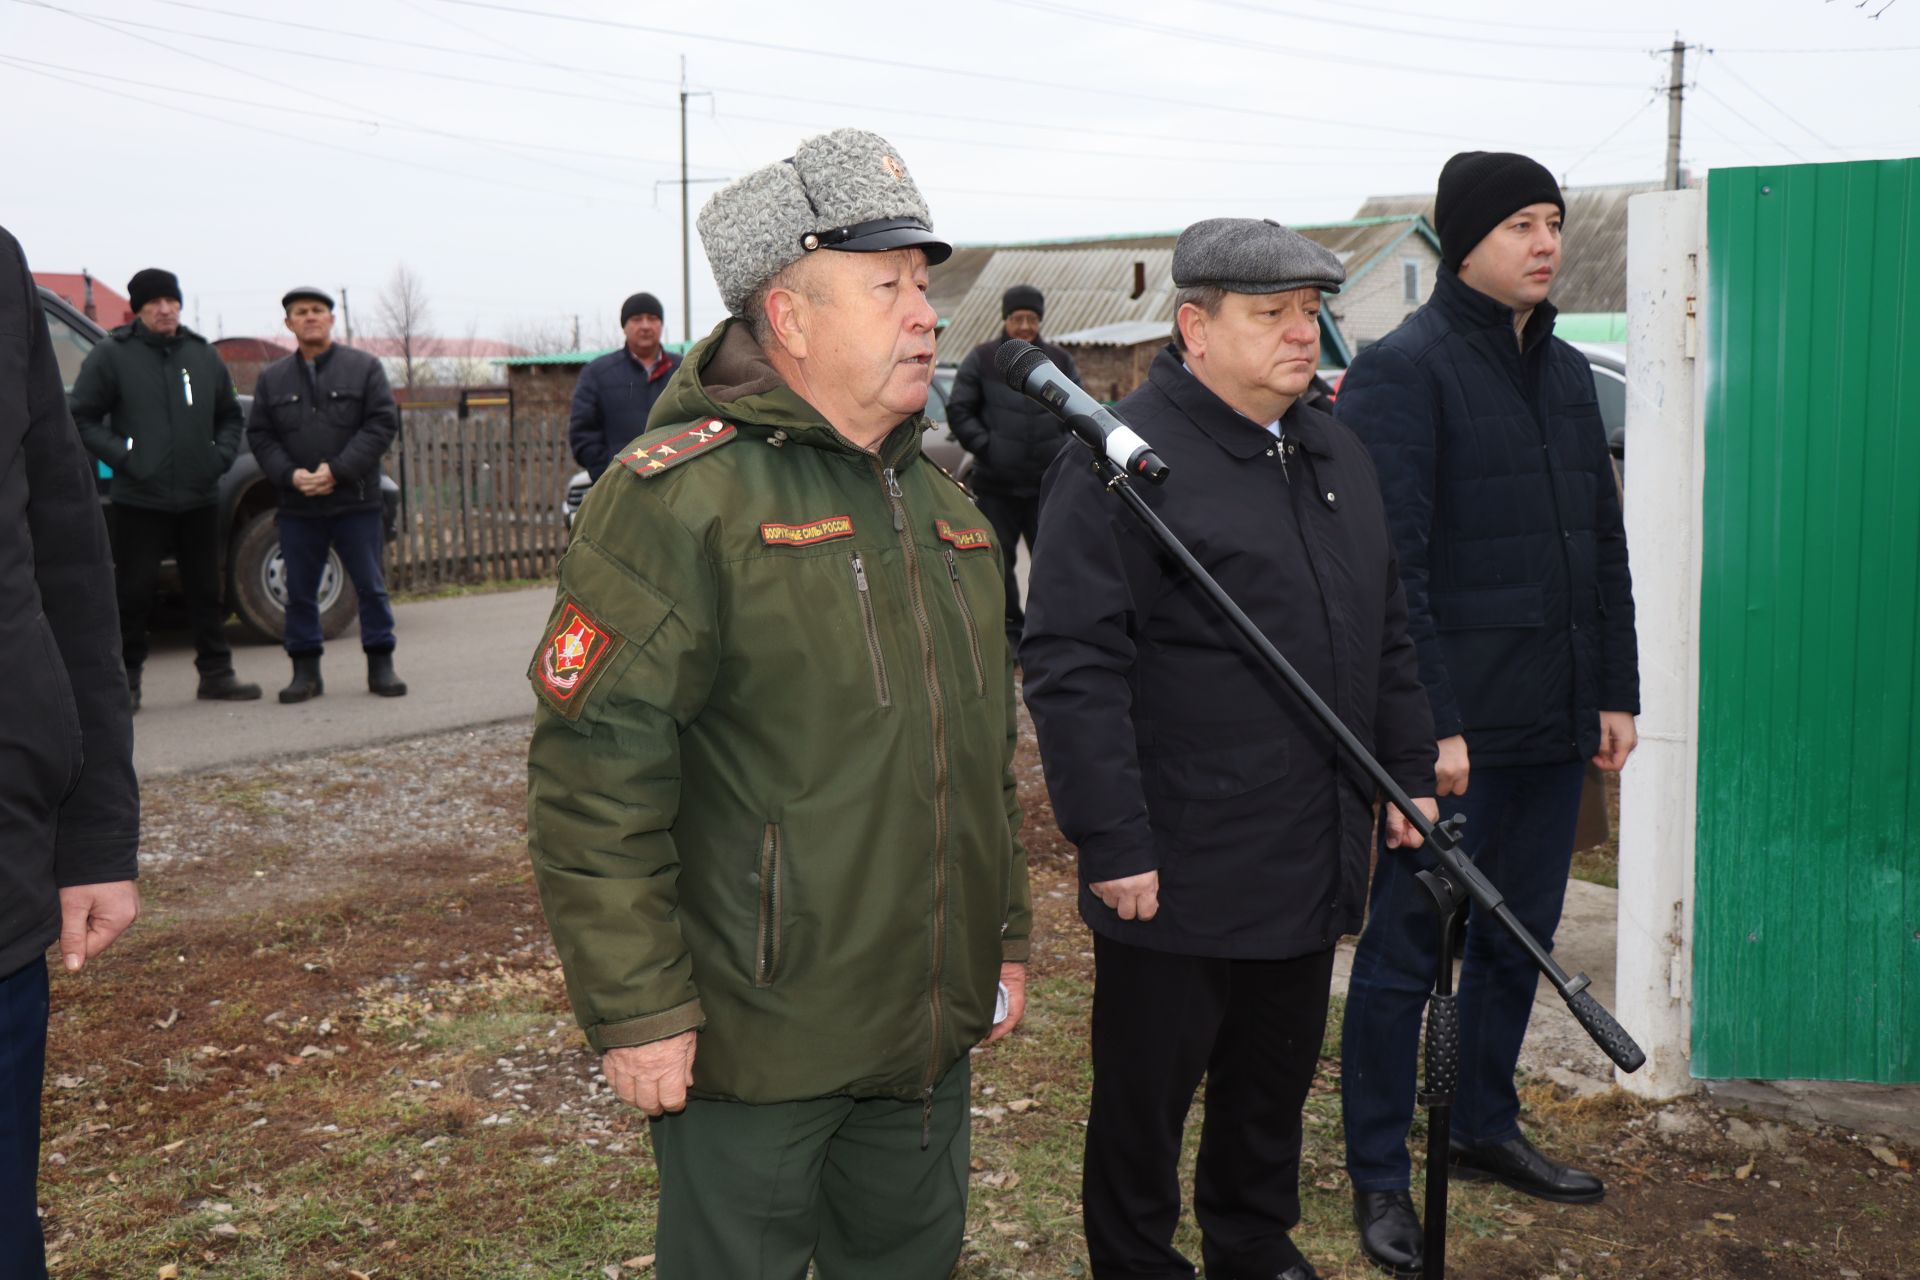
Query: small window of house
x=1410 y=275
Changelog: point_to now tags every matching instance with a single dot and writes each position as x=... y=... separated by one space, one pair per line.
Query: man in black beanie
x=155 y=402
x=1012 y=438
x=617 y=391
x=1493 y=462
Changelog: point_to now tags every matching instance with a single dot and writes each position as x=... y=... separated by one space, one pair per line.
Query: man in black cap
x=1494 y=465
x=1012 y=438
x=156 y=403
x=322 y=418
x=1222 y=839
x=616 y=392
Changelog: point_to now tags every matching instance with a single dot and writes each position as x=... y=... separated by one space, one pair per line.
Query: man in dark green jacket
x=155 y=403
x=772 y=811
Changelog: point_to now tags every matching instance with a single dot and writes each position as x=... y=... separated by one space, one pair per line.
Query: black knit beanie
x=150 y=284
x=1023 y=297
x=1481 y=189
x=641 y=304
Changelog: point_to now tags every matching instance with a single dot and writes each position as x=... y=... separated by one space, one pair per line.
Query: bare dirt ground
x=336 y=1045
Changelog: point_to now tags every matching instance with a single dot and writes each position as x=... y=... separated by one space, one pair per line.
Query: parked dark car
x=938 y=443
x=251 y=566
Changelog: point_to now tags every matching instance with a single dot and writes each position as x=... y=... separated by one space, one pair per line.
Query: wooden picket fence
x=481 y=495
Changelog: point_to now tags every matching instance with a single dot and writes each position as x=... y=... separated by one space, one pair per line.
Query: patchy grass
x=363 y=1062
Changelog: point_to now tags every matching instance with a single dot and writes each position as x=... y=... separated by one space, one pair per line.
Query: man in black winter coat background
x=155 y=403
x=69 y=805
x=1222 y=839
x=1012 y=438
x=616 y=392
x=322 y=419
x=1494 y=466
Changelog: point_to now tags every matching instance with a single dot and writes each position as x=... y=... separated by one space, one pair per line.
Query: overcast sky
x=520 y=156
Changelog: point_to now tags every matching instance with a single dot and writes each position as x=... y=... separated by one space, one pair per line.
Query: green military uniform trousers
x=753 y=1192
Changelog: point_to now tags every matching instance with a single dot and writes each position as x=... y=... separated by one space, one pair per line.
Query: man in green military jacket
x=772 y=812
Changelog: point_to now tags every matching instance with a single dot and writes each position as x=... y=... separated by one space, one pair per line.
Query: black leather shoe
x=224 y=686
x=1299 y=1271
x=1516 y=1164
x=1390 y=1233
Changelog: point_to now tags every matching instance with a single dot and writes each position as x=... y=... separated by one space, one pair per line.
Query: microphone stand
x=1451 y=885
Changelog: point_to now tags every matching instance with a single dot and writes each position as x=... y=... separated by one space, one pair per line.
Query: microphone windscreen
x=1015 y=361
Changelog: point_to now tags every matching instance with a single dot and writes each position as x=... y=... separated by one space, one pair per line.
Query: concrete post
x=1666 y=278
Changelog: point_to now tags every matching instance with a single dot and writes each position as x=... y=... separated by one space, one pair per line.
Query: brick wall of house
x=1109 y=373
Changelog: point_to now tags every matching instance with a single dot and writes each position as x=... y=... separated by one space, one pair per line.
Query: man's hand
x=1450 y=771
x=314 y=483
x=1134 y=897
x=653 y=1077
x=1014 y=976
x=92 y=916
x=1402 y=834
x=324 y=475
x=1618 y=738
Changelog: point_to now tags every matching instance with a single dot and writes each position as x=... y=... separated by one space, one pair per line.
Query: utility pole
x=346 y=316
x=1675 y=87
x=686 y=239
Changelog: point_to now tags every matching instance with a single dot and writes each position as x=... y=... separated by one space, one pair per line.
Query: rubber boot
x=224 y=686
x=306 y=679
x=380 y=677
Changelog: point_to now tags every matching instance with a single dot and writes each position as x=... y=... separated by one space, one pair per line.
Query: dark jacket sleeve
x=360 y=457
x=1089 y=576
x=229 y=421
x=585 y=431
x=275 y=463
x=94 y=391
x=1619 y=642
x=966 y=406
x=1403 y=734
x=1389 y=403
x=99 y=824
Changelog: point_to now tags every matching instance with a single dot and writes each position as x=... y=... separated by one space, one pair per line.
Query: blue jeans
x=1519 y=832
x=358 y=537
x=23 y=1061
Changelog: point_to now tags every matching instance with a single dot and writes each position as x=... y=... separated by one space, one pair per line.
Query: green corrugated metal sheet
x=1807 y=919
x=578 y=357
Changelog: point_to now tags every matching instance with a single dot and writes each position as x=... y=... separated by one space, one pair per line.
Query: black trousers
x=1013 y=517
x=140 y=539
x=1253 y=1029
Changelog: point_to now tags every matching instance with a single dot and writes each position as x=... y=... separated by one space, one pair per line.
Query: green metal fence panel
x=1807 y=916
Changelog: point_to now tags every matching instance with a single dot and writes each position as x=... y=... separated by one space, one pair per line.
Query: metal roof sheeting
x=1124 y=333
x=1084 y=288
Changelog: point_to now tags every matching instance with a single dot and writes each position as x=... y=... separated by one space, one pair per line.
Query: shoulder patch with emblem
x=804 y=535
x=650 y=457
x=963 y=539
x=572 y=656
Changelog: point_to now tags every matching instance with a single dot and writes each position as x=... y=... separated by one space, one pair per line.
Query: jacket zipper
x=973 y=632
x=767 y=958
x=879 y=660
x=916 y=596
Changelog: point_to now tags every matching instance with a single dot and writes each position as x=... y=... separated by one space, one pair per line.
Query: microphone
x=1028 y=371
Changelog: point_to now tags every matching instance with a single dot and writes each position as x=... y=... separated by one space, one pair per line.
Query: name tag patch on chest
x=963 y=539
x=571 y=658
x=805 y=535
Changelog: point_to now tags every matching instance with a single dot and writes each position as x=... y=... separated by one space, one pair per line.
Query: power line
x=1487 y=22
x=1743 y=119
x=1880 y=48
x=1638 y=111
x=1774 y=107
x=1395 y=29
x=1293 y=51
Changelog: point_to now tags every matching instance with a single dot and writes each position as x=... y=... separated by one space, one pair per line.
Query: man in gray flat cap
x=772 y=812
x=1223 y=841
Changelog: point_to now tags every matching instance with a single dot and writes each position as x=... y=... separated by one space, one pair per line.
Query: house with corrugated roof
x=1110 y=299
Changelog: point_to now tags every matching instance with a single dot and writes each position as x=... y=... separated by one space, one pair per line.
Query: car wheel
x=260 y=584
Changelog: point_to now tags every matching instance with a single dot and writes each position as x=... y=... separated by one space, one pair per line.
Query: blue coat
x=611 y=402
x=1506 y=516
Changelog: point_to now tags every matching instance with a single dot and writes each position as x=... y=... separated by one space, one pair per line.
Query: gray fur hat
x=1253 y=255
x=843 y=190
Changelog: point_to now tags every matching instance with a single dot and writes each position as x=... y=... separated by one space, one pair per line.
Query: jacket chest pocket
x=342 y=407
x=284 y=411
x=870 y=628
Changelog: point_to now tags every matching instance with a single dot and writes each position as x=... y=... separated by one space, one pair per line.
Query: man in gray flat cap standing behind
x=1222 y=839
x=771 y=803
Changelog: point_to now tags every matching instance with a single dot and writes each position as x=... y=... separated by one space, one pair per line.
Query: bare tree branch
x=403 y=313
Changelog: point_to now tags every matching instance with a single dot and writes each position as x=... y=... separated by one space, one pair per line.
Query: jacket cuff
x=1013 y=951
x=645 y=1030
x=1116 y=855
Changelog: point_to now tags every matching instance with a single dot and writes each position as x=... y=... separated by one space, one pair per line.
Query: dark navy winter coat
x=1506 y=516
x=611 y=402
